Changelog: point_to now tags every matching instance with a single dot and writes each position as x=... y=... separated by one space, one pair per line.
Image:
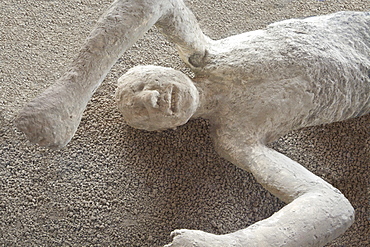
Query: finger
x=176 y=233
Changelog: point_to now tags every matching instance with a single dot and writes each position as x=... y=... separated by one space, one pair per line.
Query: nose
x=149 y=98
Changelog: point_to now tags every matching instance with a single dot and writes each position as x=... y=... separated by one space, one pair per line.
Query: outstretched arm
x=52 y=118
x=316 y=212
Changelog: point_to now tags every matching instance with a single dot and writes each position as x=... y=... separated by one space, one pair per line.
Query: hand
x=196 y=238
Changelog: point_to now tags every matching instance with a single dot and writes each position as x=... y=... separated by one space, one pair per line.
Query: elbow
x=343 y=214
x=334 y=214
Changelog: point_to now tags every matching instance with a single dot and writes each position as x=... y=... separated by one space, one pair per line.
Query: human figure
x=253 y=88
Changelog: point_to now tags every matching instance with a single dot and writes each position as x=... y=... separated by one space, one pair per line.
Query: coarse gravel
x=117 y=186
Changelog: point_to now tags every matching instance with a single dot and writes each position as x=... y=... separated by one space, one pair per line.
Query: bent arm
x=52 y=118
x=316 y=212
x=180 y=26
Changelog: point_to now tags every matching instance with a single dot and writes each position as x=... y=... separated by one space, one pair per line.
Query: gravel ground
x=117 y=186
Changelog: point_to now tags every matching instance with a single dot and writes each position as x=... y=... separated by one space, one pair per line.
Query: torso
x=276 y=80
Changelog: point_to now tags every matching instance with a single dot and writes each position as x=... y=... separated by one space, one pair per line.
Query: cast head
x=156 y=98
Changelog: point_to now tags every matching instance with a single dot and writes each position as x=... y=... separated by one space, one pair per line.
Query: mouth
x=174 y=101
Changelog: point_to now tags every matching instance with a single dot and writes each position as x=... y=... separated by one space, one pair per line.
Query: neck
x=208 y=98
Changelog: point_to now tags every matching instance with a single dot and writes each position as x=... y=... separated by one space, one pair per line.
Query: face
x=156 y=98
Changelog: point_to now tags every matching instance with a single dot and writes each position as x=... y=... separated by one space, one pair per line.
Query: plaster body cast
x=253 y=88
